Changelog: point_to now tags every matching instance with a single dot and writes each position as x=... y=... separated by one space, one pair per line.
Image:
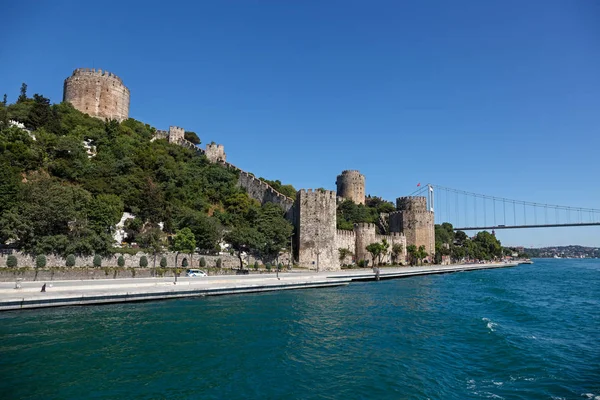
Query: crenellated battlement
x=343 y=232
x=95 y=72
x=411 y=203
x=318 y=193
x=364 y=226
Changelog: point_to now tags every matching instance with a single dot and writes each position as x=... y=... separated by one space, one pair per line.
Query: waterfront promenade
x=100 y=291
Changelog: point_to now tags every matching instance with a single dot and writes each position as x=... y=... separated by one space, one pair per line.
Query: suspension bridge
x=468 y=211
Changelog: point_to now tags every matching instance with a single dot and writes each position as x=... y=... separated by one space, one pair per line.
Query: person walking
x=43 y=288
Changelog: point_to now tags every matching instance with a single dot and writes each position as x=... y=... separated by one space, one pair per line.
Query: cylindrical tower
x=98 y=93
x=365 y=235
x=351 y=186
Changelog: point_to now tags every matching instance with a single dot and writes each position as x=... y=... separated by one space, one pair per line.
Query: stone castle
x=98 y=93
x=316 y=240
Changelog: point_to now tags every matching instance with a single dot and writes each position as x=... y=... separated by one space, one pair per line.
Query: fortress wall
x=393 y=238
x=347 y=240
x=316 y=229
x=262 y=191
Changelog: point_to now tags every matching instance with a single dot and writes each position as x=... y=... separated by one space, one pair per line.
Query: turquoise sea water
x=531 y=332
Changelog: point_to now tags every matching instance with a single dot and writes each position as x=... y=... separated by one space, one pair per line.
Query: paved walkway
x=72 y=292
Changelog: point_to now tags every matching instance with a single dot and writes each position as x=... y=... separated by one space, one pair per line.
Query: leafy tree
x=256 y=265
x=184 y=263
x=163 y=262
x=11 y=261
x=191 y=137
x=412 y=252
x=397 y=251
x=244 y=239
x=40 y=261
x=184 y=241
x=375 y=249
x=97 y=261
x=344 y=253
x=143 y=261
x=202 y=262
x=70 y=261
x=121 y=261
x=421 y=253
x=23 y=94
x=275 y=230
x=219 y=263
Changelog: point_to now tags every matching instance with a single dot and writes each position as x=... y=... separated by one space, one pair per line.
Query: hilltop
x=67 y=178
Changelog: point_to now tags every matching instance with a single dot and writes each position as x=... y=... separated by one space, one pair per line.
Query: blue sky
x=493 y=97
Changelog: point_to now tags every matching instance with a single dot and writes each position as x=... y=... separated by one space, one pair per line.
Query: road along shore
x=102 y=291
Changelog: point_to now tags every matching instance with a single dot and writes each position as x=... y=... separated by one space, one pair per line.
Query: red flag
x=418 y=184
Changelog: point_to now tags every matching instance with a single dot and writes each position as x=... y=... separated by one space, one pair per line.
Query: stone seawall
x=133 y=261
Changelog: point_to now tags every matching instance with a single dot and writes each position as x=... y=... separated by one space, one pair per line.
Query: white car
x=195 y=272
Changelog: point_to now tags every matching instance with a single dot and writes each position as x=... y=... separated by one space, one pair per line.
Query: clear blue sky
x=494 y=97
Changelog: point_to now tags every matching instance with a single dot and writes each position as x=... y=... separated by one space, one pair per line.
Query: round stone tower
x=351 y=186
x=98 y=93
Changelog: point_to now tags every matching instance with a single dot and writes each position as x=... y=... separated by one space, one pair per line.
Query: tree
x=184 y=242
x=343 y=253
x=163 y=262
x=219 y=263
x=397 y=251
x=184 y=263
x=70 y=261
x=375 y=249
x=40 y=261
x=121 y=261
x=244 y=239
x=97 y=261
x=412 y=252
x=143 y=261
x=202 y=262
x=11 y=261
x=23 y=96
x=275 y=230
x=191 y=137
x=421 y=254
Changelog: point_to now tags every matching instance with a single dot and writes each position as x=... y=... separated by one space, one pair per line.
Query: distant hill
x=572 y=251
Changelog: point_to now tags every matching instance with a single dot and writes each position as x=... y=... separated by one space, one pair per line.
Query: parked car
x=195 y=272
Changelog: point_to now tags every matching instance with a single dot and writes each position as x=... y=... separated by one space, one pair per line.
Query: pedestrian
x=377 y=273
x=44 y=288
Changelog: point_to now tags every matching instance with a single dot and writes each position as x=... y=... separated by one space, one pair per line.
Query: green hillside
x=57 y=198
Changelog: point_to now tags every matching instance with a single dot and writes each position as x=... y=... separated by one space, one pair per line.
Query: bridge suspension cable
x=479 y=211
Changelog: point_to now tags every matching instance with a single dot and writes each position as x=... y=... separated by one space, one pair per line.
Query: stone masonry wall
x=215 y=152
x=347 y=240
x=133 y=261
x=98 y=93
x=415 y=221
x=316 y=229
x=392 y=239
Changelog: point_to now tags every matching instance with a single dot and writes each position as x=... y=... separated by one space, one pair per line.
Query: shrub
x=70 y=262
x=97 y=261
x=202 y=262
x=143 y=261
x=163 y=262
x=279 y=266
x=11 y=261
x=40 y=261
x=219 y=263
x=361 y=264
x=184 y=263
x=256 y=265
x=268 y=266
x=121 y=261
